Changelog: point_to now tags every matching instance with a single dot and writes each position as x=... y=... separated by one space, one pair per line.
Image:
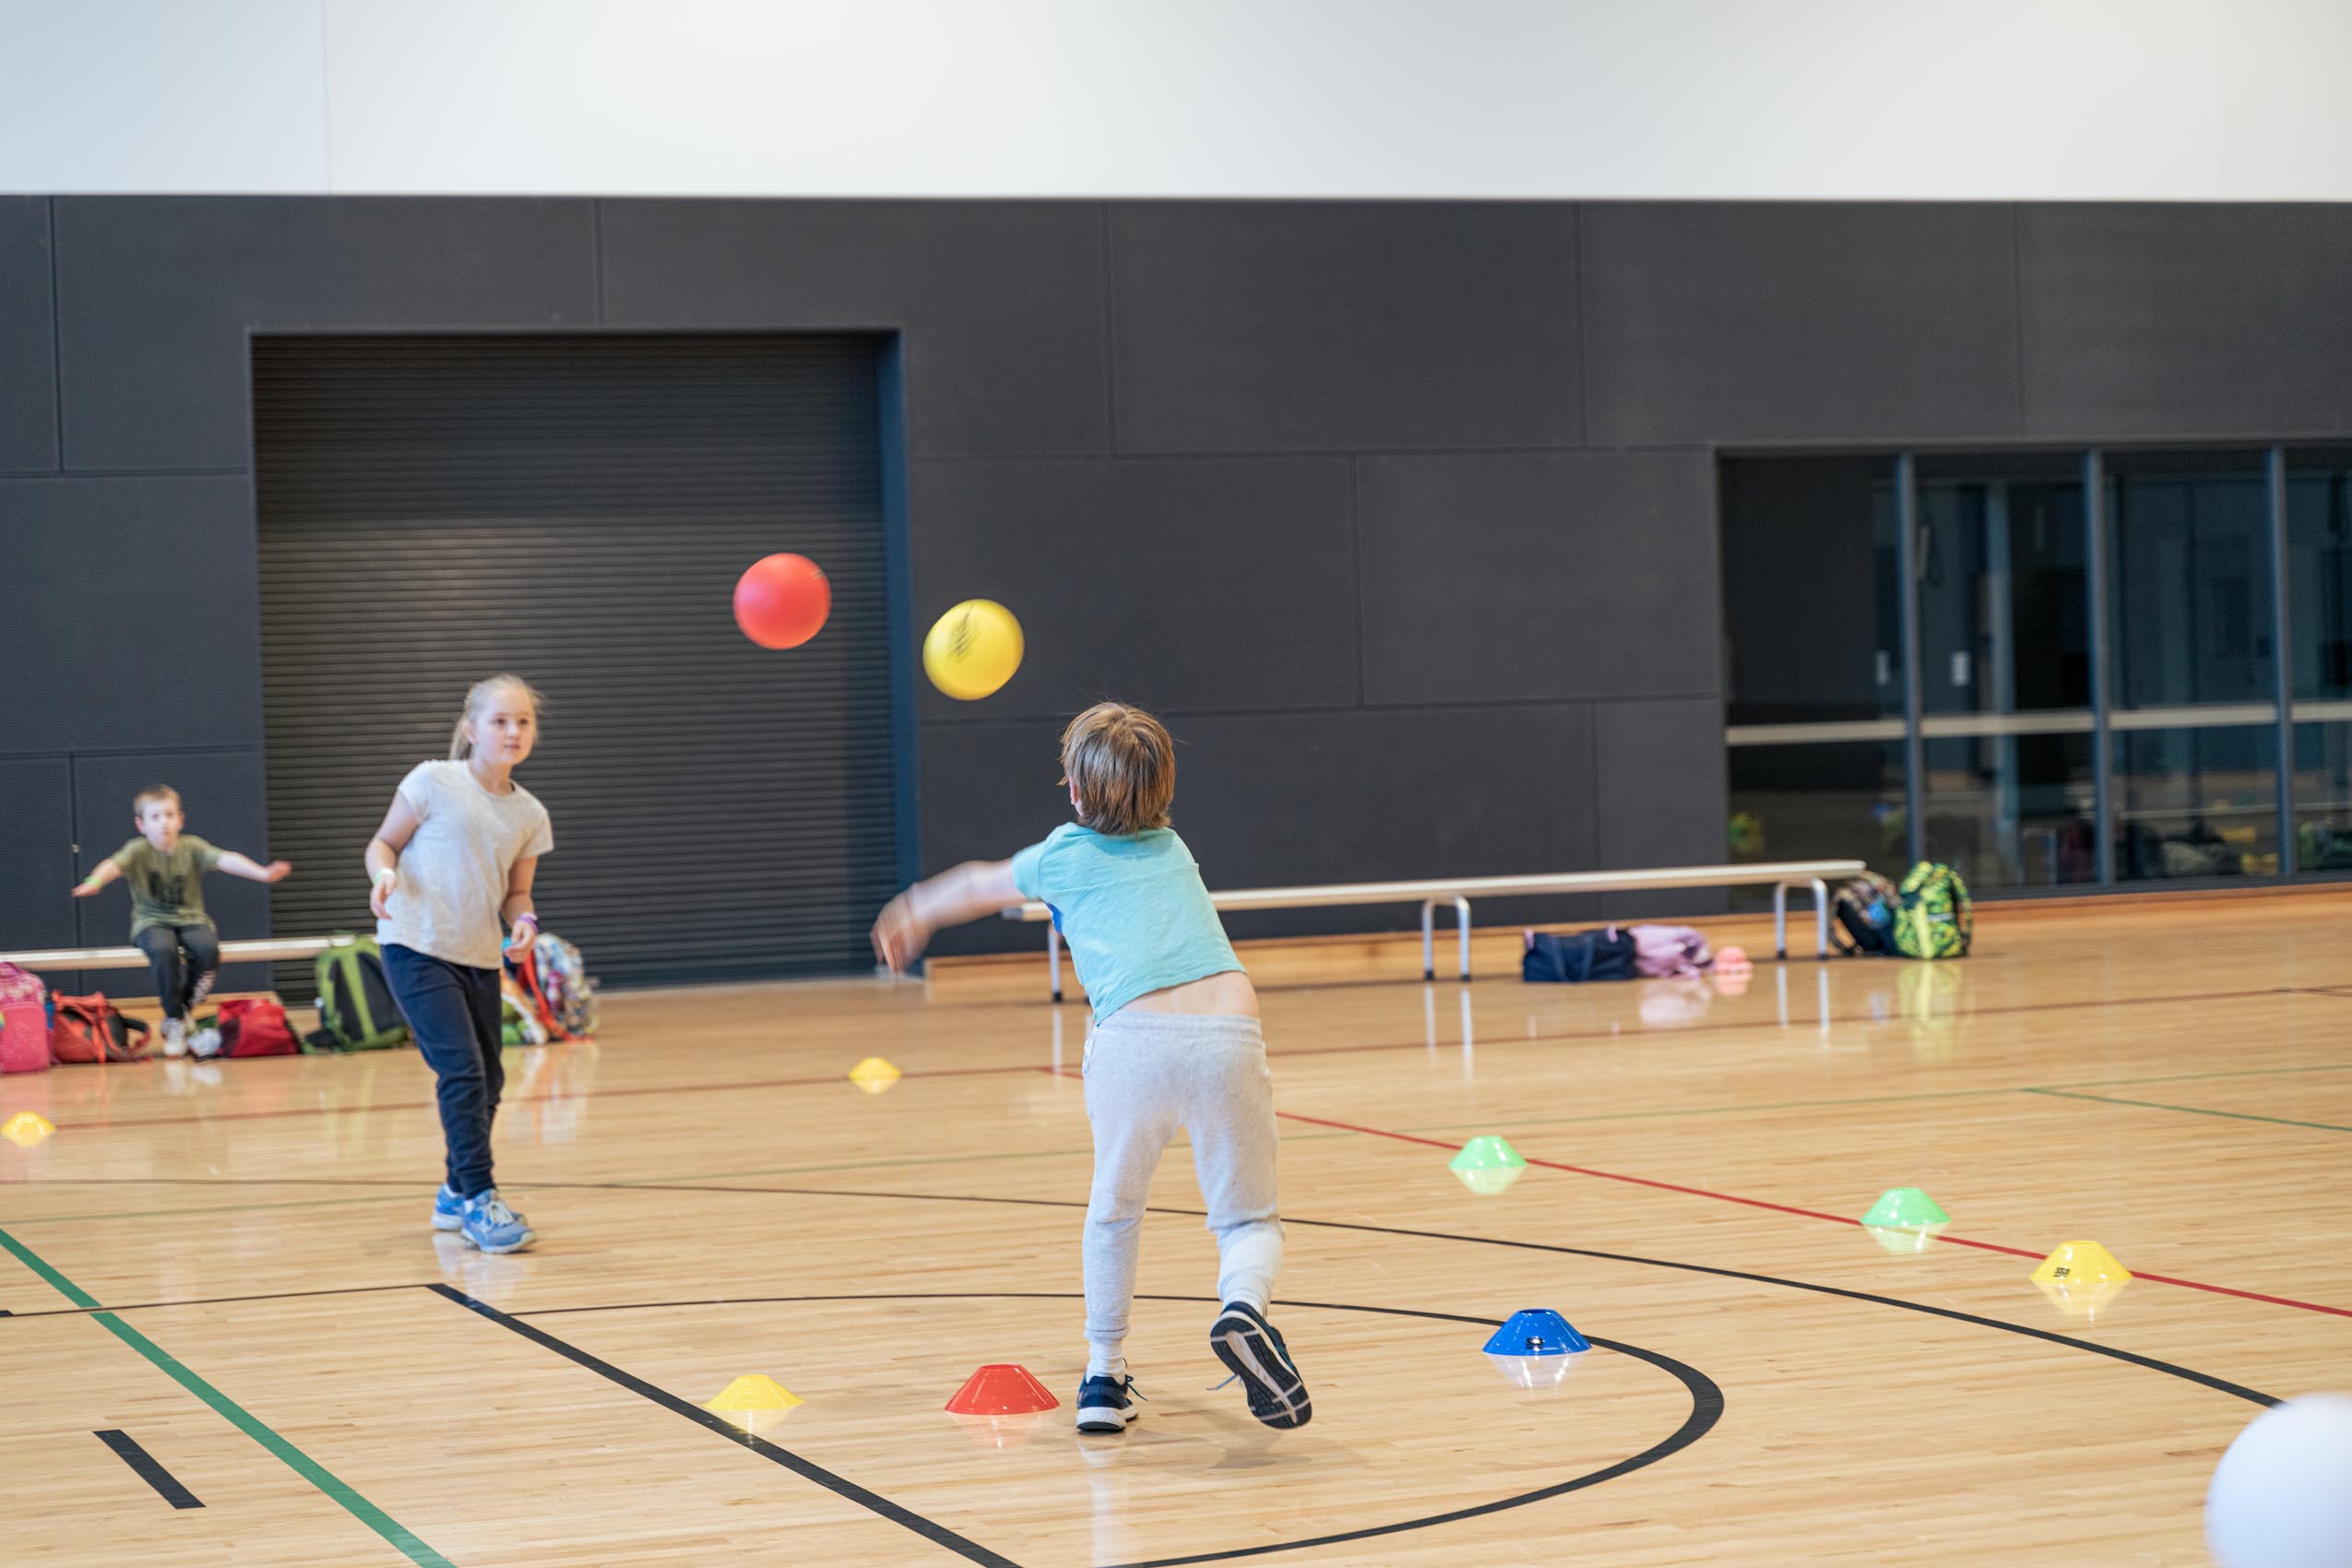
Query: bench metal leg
x=1821 y=919
x=1780 y=923
x=1053 y=957
x=1462 y=930
x=1429 y=939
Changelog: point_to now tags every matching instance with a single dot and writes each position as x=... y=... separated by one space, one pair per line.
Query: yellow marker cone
x=874 y=1075
x=2084 y=1300
x=2077 y=1264
x=27 y=1128
x=751 y=1393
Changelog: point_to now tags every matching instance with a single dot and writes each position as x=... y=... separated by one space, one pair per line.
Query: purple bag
x=1660 y=951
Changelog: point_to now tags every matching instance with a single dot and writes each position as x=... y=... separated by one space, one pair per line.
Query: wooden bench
x=268 y=950
x=1781 y=875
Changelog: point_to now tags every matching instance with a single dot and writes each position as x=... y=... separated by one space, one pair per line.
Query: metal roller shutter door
x=577 y=509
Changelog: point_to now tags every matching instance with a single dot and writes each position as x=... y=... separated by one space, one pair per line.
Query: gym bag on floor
x=1934 y=918
x=1864 y=920
x=254 y=1026
x=88 y=1029
x=24 y=1021
x=1579 y=956
x=355 y=1007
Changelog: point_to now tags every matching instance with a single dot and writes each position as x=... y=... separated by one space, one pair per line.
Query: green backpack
x=355 y=1007
x=1934 y=920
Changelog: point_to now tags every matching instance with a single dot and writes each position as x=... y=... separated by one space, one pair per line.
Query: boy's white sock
x=1105 y=1363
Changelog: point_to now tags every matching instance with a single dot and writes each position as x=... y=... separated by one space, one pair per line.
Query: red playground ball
x=782 y=601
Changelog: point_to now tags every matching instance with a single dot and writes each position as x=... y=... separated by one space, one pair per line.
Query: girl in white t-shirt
x=453 y=860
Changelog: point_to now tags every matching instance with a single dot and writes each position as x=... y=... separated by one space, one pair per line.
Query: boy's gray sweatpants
x=1147 y=1075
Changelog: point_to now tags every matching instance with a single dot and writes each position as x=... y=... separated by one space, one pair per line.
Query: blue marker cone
x=1537 y=1331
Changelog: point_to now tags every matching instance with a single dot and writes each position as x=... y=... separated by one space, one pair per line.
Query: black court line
x=145 y=1466
x=1706 y=1405
x=938 y=1534
x=2068 y=1341
x=1955 y=1315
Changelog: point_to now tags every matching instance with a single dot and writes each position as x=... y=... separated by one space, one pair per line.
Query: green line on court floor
x=2190 y=1109
x=244 y=1420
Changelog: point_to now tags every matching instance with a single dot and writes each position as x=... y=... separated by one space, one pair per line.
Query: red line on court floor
x=110 y=1122
x=1807 y=1213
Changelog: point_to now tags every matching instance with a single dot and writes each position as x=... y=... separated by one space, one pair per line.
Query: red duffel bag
x=256 y=1026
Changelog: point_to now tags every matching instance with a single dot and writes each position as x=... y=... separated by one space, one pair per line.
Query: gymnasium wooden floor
x=232 y=1268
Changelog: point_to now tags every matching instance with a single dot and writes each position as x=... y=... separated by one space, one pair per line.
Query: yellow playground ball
x=973 y=650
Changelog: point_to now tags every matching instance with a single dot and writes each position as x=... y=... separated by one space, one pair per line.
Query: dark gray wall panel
x=1276 y=799
x=27 y=338
x=37 y=869
x=42 y=637
x=142 y=632
x=1281 y=326
x=1658 y=782
x=1001 y=302
x=1812 y=321
x=1183 y=583
x=1502 y=576
x=223 y=794
x=2191 y=320
x=155 y=296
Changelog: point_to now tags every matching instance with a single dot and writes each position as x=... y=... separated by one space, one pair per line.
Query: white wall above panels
x=2000 y=99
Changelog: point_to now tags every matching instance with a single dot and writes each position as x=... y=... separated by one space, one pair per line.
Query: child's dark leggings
x=453 y=1011
x=181 y=985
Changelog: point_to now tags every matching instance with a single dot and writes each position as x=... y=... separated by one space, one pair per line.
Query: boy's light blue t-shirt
x=1132 y=910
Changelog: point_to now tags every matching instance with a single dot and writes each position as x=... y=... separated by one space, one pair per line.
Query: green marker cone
x=1487 y=1152
x=1904 y=1205
x=1487 y=1180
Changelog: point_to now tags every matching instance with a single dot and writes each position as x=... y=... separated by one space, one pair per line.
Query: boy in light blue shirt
x=1176 y=1043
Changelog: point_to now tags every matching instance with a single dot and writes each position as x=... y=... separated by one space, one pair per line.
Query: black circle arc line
x=1706 y=1402
x=2049 y=1336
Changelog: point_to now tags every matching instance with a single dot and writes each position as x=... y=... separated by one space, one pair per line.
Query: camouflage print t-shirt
x=166 y=889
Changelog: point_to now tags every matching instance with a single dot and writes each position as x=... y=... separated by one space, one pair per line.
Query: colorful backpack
x=1934 y=920
x=519 y=1020
x=88 y=1029
x=1865 y=910
x=355 y=1007
x=556 y=977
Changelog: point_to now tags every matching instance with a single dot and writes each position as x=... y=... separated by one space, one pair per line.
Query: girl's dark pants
x=453 y=1011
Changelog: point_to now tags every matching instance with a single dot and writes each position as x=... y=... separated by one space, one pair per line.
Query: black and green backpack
x=355 y=1007
x=1933 y=919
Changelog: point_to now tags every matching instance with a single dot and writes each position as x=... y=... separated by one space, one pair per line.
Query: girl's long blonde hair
x=481 y=692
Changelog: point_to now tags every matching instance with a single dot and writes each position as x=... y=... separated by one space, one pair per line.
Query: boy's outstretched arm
x=107 y=872
x=236 y=864
x=962 y=893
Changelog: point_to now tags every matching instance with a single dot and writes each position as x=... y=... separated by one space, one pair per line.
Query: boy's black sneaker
x=1107 y=1404
x=1253 y=1351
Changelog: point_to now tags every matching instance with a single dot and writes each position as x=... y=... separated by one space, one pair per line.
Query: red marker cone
x=1001 y=1389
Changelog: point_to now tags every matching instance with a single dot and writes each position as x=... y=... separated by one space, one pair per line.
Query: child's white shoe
x=175 y=1036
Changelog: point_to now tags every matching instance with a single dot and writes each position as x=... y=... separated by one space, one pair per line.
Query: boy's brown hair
x=154 y=792
x=1123 y=765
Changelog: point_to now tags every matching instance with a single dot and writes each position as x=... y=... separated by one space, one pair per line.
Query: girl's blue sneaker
x=492 y=1227
x=448 y=1209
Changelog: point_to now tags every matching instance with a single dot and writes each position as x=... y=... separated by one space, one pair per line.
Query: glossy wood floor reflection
x=284 y=1338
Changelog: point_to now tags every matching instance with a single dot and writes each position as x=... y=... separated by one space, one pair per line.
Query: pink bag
x=1663 y=950
x=24 y=1022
